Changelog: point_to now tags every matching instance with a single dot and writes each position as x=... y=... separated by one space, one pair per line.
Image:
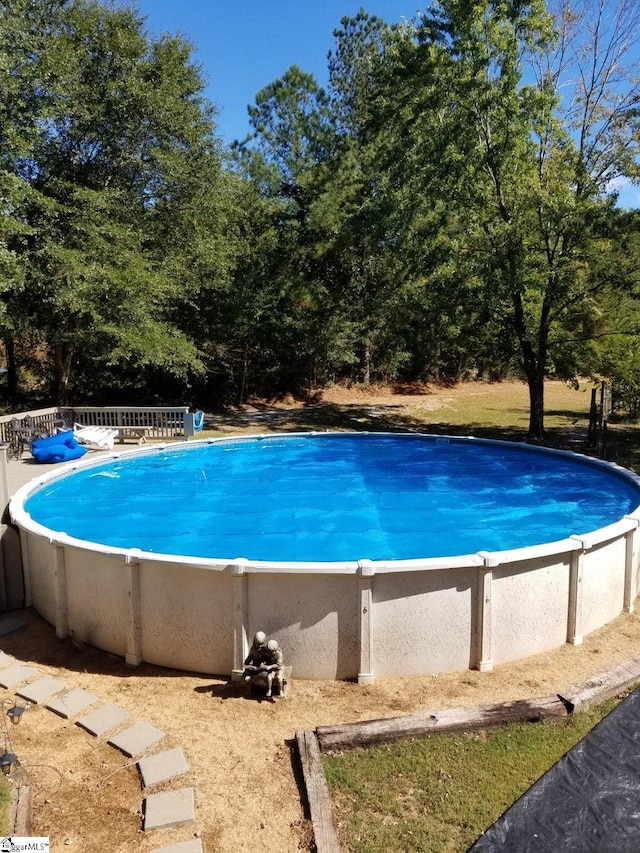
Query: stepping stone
x=170 y=808
x=9 y=624
x=163 y=766
x=192 y=846
x=136 y=739
x=5 y=660
x=42 y=689
x=16 y=673
x=71 y=703
x=103 y=719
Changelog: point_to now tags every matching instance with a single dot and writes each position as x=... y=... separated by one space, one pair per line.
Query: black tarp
x=588 y=801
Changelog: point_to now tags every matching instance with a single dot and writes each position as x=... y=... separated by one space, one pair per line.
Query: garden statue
x=257 y=654
x=275 y=667
x=264 y=665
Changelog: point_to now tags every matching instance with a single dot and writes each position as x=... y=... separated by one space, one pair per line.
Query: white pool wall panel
x=530 y=603
x=186 y=616
x=96 y=599
x=602 y=584
x=313 y=616
x=427 y=620
x=38 y=555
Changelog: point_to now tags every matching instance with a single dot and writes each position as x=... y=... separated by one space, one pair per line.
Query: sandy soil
x=87 y=796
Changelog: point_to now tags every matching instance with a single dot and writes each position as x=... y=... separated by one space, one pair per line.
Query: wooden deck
x=137 y=422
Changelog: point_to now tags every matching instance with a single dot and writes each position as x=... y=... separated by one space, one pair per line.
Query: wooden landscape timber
x=369 y=732
x=602 y=687
x=318 y=799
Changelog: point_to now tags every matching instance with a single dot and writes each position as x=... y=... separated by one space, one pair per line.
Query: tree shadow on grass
x=331 y=416
x=622 y=444
x=570 y=415
x=388 y=418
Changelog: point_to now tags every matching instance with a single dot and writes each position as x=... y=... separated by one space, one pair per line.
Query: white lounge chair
x=97 y=438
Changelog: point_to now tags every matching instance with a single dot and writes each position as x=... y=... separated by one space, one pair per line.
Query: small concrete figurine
x=264 y=665
x=275 y=668
x=257 y=654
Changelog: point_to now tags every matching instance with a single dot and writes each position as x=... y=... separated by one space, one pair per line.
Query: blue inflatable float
x=62 y=447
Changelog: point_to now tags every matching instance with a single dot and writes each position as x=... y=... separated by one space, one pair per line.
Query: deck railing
x=44 y=420
x=154 y=422
x=138 y=421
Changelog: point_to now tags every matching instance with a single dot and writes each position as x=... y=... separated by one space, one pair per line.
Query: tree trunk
x=534 y=366
x=244 y=379
x=366 y=367
x=536 y=405
x=62 y=358
x=12 y=369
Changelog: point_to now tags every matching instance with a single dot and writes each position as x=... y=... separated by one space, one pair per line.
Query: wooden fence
x=44 y=420
x=138 y=422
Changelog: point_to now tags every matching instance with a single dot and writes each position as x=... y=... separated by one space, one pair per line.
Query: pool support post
x=574 y=617
x=133 y=656
x=630 y=567
x=239 y=628
x=60 y=580
x=12 y=583
x=484 y=626
x=366 y=572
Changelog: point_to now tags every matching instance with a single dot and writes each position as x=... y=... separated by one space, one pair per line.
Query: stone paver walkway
x=16 y=674
x=43 y=689
x=161 y=810
x=103 y=720
x=72 y=703
x=170 y=808
x=163 y=766
x=37 y=692
x=135 y=740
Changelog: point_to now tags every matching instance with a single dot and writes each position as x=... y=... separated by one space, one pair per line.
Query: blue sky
x=243 y=46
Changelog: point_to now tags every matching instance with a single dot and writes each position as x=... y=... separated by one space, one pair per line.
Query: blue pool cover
x=335 y=497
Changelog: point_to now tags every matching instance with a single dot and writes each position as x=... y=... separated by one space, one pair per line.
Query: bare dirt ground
x=87 y=796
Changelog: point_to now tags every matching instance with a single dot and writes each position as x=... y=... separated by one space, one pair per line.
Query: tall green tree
x=24 y=26
x=515 y=177
x=287 y=316
x=290 y=121
x=351 y=212
x=117 y=133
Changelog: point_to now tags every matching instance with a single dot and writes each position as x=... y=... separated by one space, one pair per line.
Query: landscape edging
x=21 y=812
x=366 y=732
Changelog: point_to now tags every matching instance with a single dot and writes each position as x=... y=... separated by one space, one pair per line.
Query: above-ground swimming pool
x=361 y=553
x=334 y=497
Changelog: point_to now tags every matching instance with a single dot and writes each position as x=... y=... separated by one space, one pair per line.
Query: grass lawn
x=6 y=794
x=498 y=410
x=438 y=794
